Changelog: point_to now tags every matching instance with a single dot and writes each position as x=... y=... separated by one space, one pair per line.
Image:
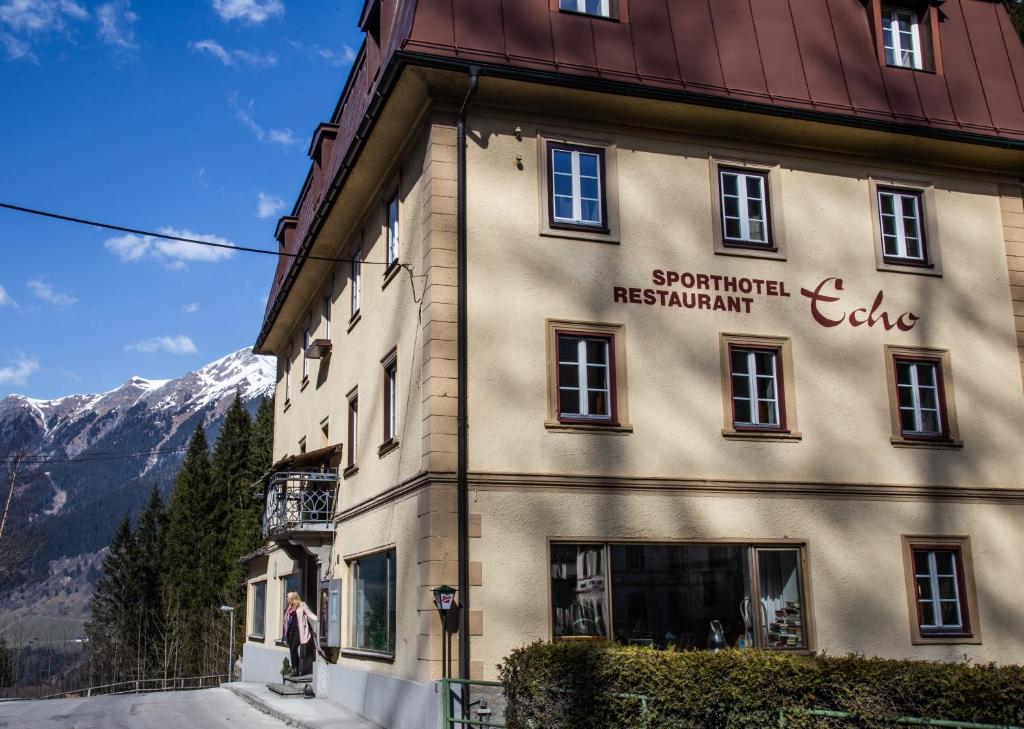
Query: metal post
x=231 y=649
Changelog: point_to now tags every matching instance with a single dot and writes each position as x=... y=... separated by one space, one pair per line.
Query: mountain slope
x=92 y=458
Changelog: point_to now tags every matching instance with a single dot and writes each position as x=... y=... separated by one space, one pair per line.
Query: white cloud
x=331 y=56
x=46 y=292
x=133 y=248
x=15 y=48
x=38 y=16
x=233 y=56
x=268 y=206
x=172 y=345
x=247 y=115
x=116 y=21
x=19 y=371
x=5 y=299
x=191 y=308
x=248 y=11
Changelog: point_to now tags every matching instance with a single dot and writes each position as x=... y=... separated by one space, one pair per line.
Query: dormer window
x=600 y=8
x=901 y=36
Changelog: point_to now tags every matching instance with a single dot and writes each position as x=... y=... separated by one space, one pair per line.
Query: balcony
x=299 y=502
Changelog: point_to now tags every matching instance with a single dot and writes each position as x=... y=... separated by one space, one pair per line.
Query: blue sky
x=192 y=115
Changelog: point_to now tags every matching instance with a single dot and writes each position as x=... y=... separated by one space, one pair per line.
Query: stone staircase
x=291 y=686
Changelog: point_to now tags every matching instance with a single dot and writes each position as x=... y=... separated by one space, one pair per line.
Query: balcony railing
x=299 y=501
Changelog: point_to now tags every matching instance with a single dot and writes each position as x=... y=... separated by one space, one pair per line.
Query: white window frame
x=915 y=394
x=392 y=213
x=583 y=366
x=391 y=393
x=580 y=6
x=577 y=195
x=752 y=375
x=936 y=599
x=353 y=426
x=326 y=301
x=357 y=283
x=288 y=375
x=305 y=346
x=897 y=197
x=891 y=17
x=743 y=203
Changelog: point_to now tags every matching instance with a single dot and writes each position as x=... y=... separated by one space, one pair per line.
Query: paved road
x=204 y=709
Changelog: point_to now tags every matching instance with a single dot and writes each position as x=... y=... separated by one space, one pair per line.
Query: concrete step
x=311 y=714
x=299 y=681
x=287 y=690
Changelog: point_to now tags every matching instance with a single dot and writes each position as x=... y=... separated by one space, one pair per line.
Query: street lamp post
x=231 y=639
x=444 y=601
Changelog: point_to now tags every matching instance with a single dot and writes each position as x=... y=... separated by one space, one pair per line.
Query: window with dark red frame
x=907 y=34
x=901 y=217
x=353 y=427
x=576 y=187
x=599 y=8
x=390 y=399
x=744 y=208
x=940 y=590
x=755 y=375
x=586 y=378
x=919 y=396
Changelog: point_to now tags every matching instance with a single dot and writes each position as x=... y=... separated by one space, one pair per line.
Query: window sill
x=350 y=471
x=256 y=638
x=368 y=655
x=917 y=269
x=389 y=274
x=304 y=384
x=947 y=639
x=766 y=435
x=557 y=425
x=580 y=233
x=387 y=447
x=592 y=16
x=749 y=251
x=354 y=320
x=938 y=443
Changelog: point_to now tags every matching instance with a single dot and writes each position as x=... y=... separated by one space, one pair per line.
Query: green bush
x=576 y=685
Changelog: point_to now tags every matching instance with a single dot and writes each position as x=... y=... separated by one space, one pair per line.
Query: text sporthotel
x=713 y=292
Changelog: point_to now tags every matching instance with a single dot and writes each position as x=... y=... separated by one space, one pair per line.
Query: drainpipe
x=461 y=475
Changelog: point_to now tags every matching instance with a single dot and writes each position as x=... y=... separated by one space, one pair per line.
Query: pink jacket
x=303 y=614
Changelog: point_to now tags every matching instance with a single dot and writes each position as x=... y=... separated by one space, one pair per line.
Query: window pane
x=903 y=372
x=920 y=562
x=595 y=7
x=928 y=397
x=598 y=402
x=914 y=248
x=372 y=604
x=568 y=375
x=740 y=361
x=885 y=201
x=945 y=563
x=578 y=590
x=766 y=388
x=589 y=188
x=669 y=597
x=568 y=349
x=732 y=207
x=754 y=187
x=742 y=410
x=764 y=362
x=563 y=184
x=730 y=185
x=732 y=228
x=907 y=422
x=597 y=377
x=930 y=422
x=569 y=402
x=259 y=609
x=741 y=386
x=597 y=351
x=779 y=575
x=925 y=374
x=563 y=207
x=951 y=614
x=927 y=614
x=757 y=231
x=588 y=164
x=924 y=588
x=590 y=211
x=905 y=395
x=947 y=588
x=562 y=161
x=767 y=413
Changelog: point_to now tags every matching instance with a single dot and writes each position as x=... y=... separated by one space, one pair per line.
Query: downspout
x=461 y=475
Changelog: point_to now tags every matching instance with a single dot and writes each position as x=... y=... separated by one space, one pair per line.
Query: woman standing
x=298 y=635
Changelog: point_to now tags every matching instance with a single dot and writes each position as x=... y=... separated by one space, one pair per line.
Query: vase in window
x=716 y=636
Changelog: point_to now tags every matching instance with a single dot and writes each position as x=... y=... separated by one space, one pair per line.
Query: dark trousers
x=293 y=648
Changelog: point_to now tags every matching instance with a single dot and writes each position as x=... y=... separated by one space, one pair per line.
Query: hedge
x=582 y=685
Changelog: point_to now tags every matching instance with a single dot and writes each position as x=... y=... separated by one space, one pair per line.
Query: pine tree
x=231 y=495
x=1016 y=10
x=189 y=590
x=114 y=611
x=6 y=665
x=147 y=553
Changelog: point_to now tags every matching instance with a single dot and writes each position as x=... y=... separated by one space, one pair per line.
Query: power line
x=165 y=236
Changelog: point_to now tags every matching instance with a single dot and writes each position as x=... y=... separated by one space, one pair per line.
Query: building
x=744 y=324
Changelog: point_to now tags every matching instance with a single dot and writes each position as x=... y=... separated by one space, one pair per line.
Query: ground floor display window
x=373 y=604
x=683 y=596
x=258 y=626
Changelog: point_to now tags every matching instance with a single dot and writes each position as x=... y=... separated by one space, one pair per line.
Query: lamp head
x=226 y=609
x=444 y=598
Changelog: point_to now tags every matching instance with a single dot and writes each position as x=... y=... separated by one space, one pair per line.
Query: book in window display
x=786 y=630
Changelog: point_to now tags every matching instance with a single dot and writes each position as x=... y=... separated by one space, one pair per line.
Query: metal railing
x=449 y=699
x=143 y=686
x=902 y=721
x=299 y=499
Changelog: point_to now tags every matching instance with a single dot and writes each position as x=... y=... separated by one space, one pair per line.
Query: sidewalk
x=299 y=712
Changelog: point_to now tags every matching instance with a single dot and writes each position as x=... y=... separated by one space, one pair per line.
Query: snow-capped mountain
x=92 y=458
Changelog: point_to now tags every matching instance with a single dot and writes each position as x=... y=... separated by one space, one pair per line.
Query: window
x=744 y=206
x=392 y=217
x=669 y=595
x=305 y=359
x=289 y=583
x=756 y=401
x=901 y=37
x=940 y=590
x=902 y=232
x=357 y=283
x=258 y=626
x=584 y=378
x=373 y=622
x=325 y=432
x=921 y=396
x=577 y=186
x=390 y=397
x=302 y=444
x=353 y=428
x=326 y=304
x=757 y=387
x=288 y=376
x=588 y=7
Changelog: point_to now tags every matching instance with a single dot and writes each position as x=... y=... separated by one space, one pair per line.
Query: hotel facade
x=733 y=295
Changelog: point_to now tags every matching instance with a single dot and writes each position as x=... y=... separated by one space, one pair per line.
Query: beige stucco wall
x=518 y=279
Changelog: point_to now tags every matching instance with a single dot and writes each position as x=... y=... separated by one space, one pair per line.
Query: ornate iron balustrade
x=299 y=500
